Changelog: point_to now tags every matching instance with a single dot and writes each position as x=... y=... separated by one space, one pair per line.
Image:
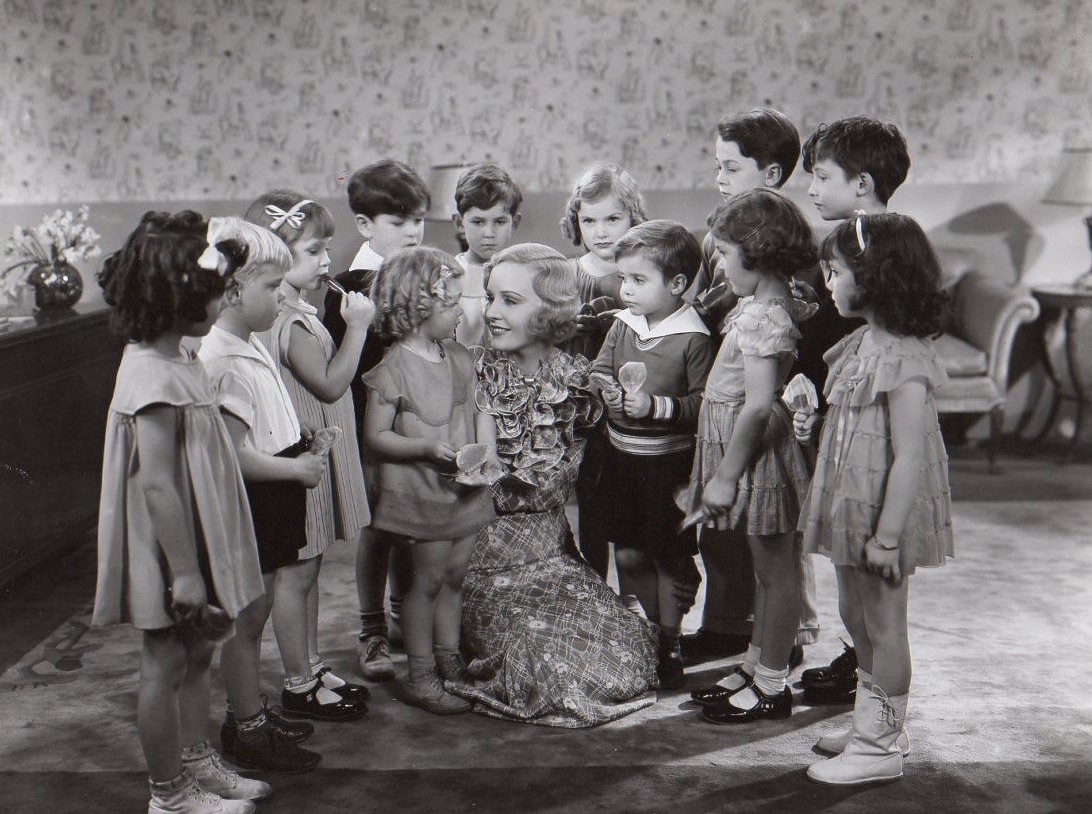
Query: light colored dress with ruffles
x=773 y=487
x=133 y=576
x=564 y=649
x=855 y=455
x=337 y=509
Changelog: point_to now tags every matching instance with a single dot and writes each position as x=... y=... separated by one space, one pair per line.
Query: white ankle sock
x=732 y=681
x=771 y=682
x=864 y=677
x=329 y=679
x=303 y=684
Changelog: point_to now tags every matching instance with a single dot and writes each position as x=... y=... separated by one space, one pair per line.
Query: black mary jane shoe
x=716 y=694
x=768 y=707
x=307 y=705
x=356 y=693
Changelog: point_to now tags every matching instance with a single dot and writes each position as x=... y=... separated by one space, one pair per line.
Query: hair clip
x=293 y=217
x=753 y=232
x=859 y=225
x=212 y=259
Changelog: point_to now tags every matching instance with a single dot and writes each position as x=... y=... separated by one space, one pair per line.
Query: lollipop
x=324 y=439
x=598 y=306
x=474 y=466
x=800 y=395
x=632 y=376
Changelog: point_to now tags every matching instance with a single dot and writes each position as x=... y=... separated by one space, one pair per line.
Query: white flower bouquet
x=63 y=237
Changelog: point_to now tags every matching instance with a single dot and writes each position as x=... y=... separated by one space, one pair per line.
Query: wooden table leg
x=1052 y=374
x=1072 y=358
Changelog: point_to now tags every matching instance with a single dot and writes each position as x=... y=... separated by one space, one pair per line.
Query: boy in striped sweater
x=652 y=407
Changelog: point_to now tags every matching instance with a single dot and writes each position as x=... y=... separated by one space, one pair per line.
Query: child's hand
x=637 y=405
x=718 y=497
x=587 y=323
x=612 y=398
x=709 y=300
x=357 y=310
x=684 y=588
x=311 y=467
x=440 y=453
x=803 y=424
x=882 y=561
x=188 y=596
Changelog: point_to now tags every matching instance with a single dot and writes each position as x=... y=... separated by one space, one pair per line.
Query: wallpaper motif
x=138 y=99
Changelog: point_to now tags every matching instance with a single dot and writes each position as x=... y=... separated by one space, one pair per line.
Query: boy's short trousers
x=279 y=511
x=637 y=493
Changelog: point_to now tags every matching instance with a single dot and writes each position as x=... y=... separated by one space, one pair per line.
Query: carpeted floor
x=1000 y=715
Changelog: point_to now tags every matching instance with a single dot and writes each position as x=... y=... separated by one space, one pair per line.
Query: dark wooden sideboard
x=56 y=379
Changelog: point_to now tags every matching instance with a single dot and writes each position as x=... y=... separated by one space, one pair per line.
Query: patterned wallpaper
x=140 y=99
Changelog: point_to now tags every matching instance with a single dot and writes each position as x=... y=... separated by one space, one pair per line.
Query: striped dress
x=338 y=507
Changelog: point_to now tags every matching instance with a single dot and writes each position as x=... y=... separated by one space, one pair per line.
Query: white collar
x=366 y=259
x=224 y=343
x=683 y=321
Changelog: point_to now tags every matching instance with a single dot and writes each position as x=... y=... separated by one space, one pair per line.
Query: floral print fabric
x=564 y=650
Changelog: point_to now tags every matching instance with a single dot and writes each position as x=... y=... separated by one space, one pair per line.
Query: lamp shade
x=442 y=179
x=1073 y=180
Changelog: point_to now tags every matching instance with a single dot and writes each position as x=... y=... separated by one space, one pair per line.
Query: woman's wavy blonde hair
x=554 y=283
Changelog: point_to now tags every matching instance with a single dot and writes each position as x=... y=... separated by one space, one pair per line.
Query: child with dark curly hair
x=421 y=413
x=177 y=554
x=879 y=504
x=749 y=472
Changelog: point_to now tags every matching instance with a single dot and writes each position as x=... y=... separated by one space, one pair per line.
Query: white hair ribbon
x=212 y=259
x=293 y=217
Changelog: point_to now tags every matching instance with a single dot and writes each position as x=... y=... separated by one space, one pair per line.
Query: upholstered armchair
x=986 y=315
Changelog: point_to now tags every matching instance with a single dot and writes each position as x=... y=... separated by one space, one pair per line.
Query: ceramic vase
x=56 y=286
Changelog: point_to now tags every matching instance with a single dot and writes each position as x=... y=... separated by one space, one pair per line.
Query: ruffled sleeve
x=765 y=329
x=892 y=363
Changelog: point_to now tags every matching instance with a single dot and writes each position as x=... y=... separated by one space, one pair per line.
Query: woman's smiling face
x=512 y=306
